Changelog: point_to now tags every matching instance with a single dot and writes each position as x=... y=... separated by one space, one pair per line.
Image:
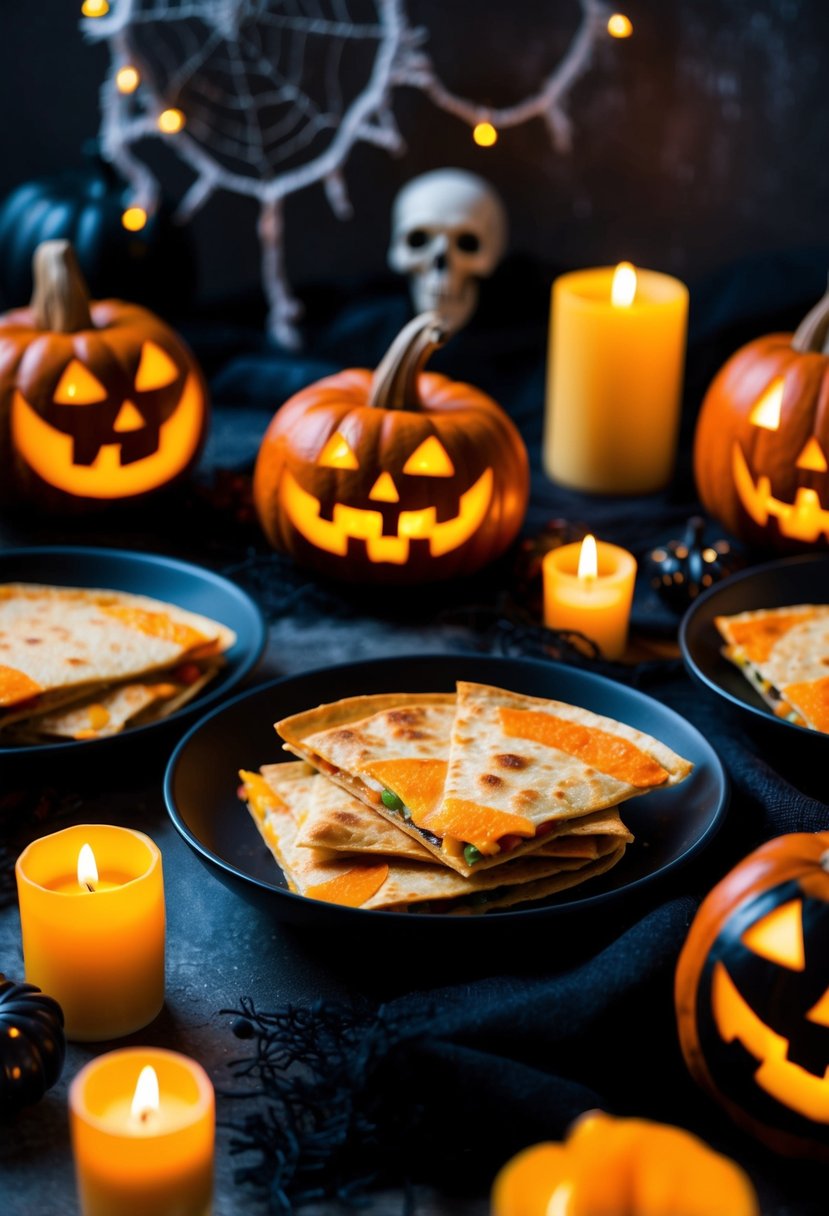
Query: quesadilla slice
x=279 y=797
x=784 y=655
x=59 y=643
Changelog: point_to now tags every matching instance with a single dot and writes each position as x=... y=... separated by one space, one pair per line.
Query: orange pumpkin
x=99 y=401
x=401 y=476
x=761 y=451
x=623 y=1167
x=752 y=994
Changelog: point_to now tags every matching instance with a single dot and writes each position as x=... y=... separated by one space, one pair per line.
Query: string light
x=619 y=26
x=484 y=134
x=134 y=219
x=127 y=79
x=170 y=121
x=95 y=8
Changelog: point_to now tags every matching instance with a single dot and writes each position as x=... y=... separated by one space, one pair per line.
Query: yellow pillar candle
x=93 y=932
x=143 y=1125
x=614 y=379
x=588 y=587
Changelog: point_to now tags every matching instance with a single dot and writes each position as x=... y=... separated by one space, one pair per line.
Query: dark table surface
x=220 y=948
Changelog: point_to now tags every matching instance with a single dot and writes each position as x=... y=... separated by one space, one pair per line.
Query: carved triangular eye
x=77 y=386
x=430 y=459
x=155 y=369
x=779 y=936
x=337 y=454
x=820 y=1011
x=767 y=409
x=812 y=457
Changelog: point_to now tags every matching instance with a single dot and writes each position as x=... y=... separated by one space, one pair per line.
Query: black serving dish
x=671 y=826
x=790 y=580
x=163 y=578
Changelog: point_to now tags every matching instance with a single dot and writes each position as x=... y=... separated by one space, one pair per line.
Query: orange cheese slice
x=417 y=783
x=351 y=888
x=811 y=700
x=610 y=754
x=259 y=795
x=16 y=686
x=98 y=717
x=476 y=824
x=156 y=625
x=756 y=637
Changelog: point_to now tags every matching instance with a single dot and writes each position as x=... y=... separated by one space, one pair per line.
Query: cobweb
x=273 y=95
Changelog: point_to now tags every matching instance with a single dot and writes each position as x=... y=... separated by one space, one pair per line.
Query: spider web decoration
x=267 y=97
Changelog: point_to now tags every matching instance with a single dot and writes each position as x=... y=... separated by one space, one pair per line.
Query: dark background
x=699 y=140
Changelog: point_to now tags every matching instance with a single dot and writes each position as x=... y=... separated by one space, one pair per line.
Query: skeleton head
x=449 y=229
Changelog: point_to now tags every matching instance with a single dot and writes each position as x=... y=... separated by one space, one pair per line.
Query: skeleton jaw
x=454 y=302
x=804 y=519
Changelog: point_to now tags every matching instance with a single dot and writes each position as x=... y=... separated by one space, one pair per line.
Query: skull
x=449 y=229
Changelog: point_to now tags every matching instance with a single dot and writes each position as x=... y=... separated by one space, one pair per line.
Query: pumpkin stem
x=394 y=384
x=60 y=301
x=812 y=334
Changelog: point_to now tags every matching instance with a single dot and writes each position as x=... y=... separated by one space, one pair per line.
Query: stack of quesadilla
x=784 y=655
x=458 y=802
x=80 y=663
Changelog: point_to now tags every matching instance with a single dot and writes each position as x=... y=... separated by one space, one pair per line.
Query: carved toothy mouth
x=804 y=519
x=354 y=523
x=790 y=1084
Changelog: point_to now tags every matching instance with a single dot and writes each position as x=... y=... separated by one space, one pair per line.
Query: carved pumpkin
x=98 y=401
x=622 y=1167
x=762 y=440
x=32 y=1044
x=398 y=477
x=752 y=994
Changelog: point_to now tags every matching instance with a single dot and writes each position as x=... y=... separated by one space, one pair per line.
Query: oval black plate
x=163 y=578
x=200 y=786
x=790 y=580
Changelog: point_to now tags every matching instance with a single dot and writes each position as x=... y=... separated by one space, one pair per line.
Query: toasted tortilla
x=784 y=655
x=278 y=799
x=60 y=643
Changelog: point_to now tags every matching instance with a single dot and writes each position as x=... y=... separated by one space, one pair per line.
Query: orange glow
x=767 y=409
x=384 y=489
x=134 y=219
x=77 y=386
x=588 y=558
x=128 y=419
x=820 y=1010
x=430 y=459
x=559 y=1204
x=145 y=1100
x=803 y=519
x=171 y=121
x=355 y=523
x=50 y=454
x=87 y=867
x=623 y=287
x=127 y=79
x=155 y=369
x=337 y=454
x=812 y=457
x=484 y=134
x=779 y=936
x=619 y=26
x=95 y=8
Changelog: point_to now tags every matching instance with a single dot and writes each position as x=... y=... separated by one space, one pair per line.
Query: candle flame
x=588 y=558
x=87 y=867
x=619 y=26
x=559 y=1204
x=145 y=1100
x=623 y=288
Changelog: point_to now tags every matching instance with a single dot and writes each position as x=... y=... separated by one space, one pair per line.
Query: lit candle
x=143 y=1125
x=588 y=587
x=92 y=919
x=614 y=379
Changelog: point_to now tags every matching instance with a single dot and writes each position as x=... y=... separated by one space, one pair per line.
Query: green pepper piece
x=471 y=854
x=391 y=801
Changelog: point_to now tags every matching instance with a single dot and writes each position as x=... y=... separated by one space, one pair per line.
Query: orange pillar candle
x=143 y=1125
x=614 y=379
x=588 y=587
x=95 y=943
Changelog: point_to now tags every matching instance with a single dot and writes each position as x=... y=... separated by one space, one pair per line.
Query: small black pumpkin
x=32 y=1044
x=682 y=569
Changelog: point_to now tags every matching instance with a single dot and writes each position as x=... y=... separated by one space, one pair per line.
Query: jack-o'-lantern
x=622 y=1167
x=761 y=451
x=99 y=401
x=752 y=994
x=401 y=476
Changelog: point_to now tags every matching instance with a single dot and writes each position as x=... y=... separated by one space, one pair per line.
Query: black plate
x=791 y=580
x=202 y=779
x=163 y=578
